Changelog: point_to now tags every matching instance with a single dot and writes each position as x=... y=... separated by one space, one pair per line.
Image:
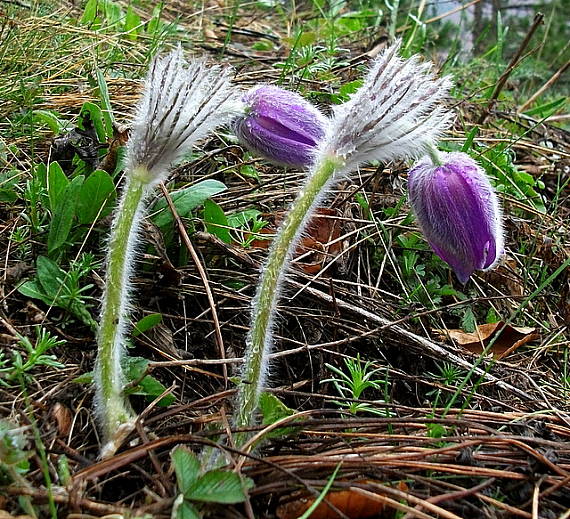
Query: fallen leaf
x=320 y=243
x=63 y=418
x=209 y=34
x=510 y=338
x=352 y=504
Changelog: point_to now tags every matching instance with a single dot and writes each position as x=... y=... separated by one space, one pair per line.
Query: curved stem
x=114 y=411
x=259 y=340
x=434 y=155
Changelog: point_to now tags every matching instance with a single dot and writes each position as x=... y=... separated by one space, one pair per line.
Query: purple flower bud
x=280 y=126
x=458 y=212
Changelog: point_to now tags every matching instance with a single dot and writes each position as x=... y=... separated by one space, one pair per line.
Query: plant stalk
x=115 y=414
x=434 y=155
x=264 y=307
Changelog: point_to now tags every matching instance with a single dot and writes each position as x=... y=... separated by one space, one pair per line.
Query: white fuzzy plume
x=182 y=102
x=396 y=113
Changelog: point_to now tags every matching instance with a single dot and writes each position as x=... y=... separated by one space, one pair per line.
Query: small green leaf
x=436 y=430
x=263 y=45
x=249 y=171
x=272 y=408
x=302 y=40
x=146 y=323
x=186 y=200
x=85 y=378
x=219 y=486
x=469 y=140
x=107 y=110
x=8 y=182
x=40 y=172
x=79 y=310
x=547 y=109
x=8 y=196
x=33 y=289
x=135 y=367
x=216 y=221
x=469 y=321
x=62 y=218
x=132 y=22
x=240 y=219
x=149 y=386
x=50 y=276
x=93 y=113
x=350 y=88
x=89 y=12
x=186 y=466
x=186 y=510
x=96 y=197
x=113 y=12
x=56 y=184
x=52 y=121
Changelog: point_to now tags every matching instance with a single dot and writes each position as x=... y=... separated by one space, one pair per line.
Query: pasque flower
x=181 y=103
x=280 y=125
x=458 y=212
x=397 y=113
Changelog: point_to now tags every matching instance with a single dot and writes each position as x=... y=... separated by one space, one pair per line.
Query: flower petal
x=281 y=126
x=458 y=212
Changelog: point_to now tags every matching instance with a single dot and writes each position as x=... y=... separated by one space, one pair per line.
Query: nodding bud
x=458 y=212
x=181 y=103
x=280 y=126
x=395 y=114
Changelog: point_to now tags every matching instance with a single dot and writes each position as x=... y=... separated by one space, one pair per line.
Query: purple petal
x=277 y=147
x=458 y=212
x=280 y=126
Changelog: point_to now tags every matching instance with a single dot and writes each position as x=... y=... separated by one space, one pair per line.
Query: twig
x=441 y=16
x=544 y=87
x=63 y=498
x=203 y=277
x=430 y=347
x=538 y=18
x=454 y=496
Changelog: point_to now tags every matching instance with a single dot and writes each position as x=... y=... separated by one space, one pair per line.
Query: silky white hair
x=395 y=114
x=181 y=104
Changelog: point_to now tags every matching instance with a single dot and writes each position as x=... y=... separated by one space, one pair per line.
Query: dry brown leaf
x=63 y=418
x=352 y=504
x=315 y=245
x=209 y=34
x=509 y=339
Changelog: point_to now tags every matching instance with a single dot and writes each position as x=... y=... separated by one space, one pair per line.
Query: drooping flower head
x=395 y=114
x=458 y=212
x=281 y=126
x=181 y=103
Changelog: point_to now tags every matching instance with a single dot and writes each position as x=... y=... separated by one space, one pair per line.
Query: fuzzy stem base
x=259 y=341
x=116 y=417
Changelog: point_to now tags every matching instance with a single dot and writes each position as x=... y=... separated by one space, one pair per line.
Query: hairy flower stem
x=434 y=155
x=115 y=414
x=259 y=340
